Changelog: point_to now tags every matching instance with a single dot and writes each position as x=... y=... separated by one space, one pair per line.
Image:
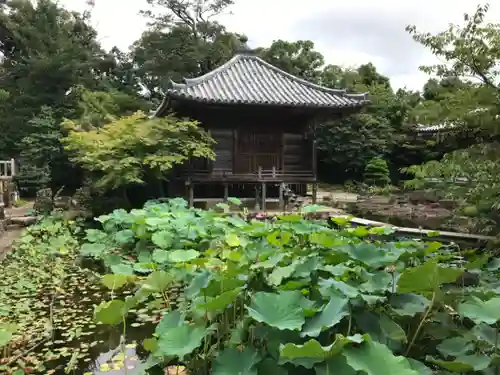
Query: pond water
x=79 y=345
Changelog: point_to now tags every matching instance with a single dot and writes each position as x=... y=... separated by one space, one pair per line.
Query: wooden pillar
x=191 y=194
x=282 y=200
x=2 y=203
x=314 y=159
x=315 y=193
x=226 y=191
x=264 y=198
x=282 y=161
x=12 y=167
x=257 y=205
x=235 y=150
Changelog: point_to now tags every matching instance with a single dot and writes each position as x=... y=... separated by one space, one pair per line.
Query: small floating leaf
x=150 y=344
x=105 y=367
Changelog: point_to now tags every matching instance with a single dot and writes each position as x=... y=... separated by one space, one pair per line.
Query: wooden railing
x=7 y=169
x=273 y=174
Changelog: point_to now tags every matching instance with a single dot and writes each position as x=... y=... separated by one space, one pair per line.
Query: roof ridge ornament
x=244 y=49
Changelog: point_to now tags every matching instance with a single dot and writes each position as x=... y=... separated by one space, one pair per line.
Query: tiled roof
x=247 y=79
x=421 y=128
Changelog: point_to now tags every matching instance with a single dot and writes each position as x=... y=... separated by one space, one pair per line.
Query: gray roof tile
x=422 y=128
x=247 y=79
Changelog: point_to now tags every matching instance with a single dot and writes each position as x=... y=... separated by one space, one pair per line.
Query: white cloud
x=348 y=33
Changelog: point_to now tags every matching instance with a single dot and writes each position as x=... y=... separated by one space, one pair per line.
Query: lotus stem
x=350 y=324
x=421 y=324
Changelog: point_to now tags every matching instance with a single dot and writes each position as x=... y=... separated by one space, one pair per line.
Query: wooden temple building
x=263 y=121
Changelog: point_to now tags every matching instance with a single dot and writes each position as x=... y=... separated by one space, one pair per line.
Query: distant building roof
x=248 y=79
x=421 y=128
x=446 y=126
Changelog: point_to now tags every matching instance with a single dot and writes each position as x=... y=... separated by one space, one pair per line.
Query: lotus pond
x=184 y=291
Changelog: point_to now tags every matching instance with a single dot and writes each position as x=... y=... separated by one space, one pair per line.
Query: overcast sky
x=347 y=33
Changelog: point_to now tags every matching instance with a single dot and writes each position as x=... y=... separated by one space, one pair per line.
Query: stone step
x=21 y=220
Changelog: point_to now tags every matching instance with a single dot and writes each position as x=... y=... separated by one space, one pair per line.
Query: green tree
x=41 y=152
x=297 y=58
x=347 y=144
x=192 y=13
x=43 y=160
x=97 y=108
x=183 y=41
x=128 y=149
x=470 y=54
x=438 y=89
x=377 y=173
x=332 y=76
x=174 y=54
x=469 y=50
x=45 y=51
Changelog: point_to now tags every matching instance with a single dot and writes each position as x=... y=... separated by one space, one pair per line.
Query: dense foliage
x=471 y=51
x=291 y=295
x=123 y=151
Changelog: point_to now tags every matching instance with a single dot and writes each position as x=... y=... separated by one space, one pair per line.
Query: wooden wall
x=292 y=152
x=278 y=134
x=223 y=148
x=297 y=156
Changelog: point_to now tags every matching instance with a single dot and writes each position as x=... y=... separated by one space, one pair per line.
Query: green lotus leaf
x=427 y=277
x=234 y=362
x=332 y=314
x=481 y=311
x=111 y=312
x=179 y=341
x=375 y=358
x=284 y=310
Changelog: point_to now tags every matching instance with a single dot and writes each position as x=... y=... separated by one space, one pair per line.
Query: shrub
x=124 y=151
x=278 y=296
x=377 y=173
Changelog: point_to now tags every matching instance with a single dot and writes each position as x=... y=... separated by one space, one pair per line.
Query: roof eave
x=358 y=104
x=162 y=107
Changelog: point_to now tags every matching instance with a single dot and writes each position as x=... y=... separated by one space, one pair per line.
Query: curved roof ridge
x=193 y=81
x=240 y=56
x=362 y=96
x=297 y=79
x=248 y=79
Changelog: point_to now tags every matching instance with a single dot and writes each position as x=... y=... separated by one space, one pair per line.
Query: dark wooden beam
x=314 y=159
x=191 y=194
x=264 y=196
x=281 y=198
x=314 y=193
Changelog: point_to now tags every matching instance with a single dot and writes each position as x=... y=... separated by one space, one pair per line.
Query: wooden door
x=256 y=149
